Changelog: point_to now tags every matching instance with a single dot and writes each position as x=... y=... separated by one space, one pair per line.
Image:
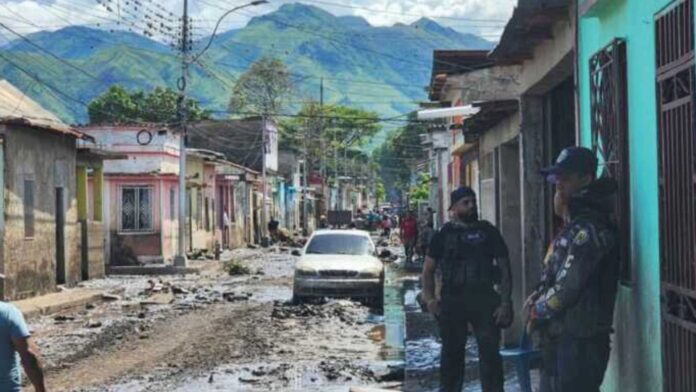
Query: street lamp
x=180 y=257
x=217 y=25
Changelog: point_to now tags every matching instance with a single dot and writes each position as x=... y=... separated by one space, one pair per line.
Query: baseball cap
x=578 y=160
x=461 y=193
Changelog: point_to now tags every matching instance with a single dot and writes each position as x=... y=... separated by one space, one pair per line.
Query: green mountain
x=384 y=69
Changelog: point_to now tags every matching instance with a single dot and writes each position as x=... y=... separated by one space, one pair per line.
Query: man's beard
x=470 y=216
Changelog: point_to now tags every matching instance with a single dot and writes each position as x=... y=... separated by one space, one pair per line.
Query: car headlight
x=370 y=273
x=306 y=272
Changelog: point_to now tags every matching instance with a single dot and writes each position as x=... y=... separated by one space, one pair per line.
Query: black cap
x=461 y=193
x=578 y=160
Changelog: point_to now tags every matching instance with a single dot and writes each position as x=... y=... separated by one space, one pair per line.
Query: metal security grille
x=674 y=34
x=136 y=209
x=609 y=111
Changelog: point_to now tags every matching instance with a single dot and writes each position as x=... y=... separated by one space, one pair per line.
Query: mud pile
x=348 y=312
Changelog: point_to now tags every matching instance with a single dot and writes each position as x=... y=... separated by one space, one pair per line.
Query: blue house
x=635 y=62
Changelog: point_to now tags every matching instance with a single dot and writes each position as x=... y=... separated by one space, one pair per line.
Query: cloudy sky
x=483 y=17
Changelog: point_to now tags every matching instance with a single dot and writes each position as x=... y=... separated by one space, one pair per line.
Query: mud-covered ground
x=215 y=332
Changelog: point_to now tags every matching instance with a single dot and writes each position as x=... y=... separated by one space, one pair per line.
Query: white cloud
x=483 y=17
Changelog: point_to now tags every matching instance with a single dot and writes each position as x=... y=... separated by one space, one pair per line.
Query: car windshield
x=340 y=244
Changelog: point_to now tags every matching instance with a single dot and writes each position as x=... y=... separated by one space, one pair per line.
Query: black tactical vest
x=467 y=261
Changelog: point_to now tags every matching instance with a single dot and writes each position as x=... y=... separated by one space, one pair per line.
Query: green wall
x=636 y=363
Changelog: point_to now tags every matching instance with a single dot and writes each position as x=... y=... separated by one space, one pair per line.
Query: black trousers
x=454 y=321
x=574 y=364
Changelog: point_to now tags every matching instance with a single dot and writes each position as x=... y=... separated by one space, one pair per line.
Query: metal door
x=674 y=34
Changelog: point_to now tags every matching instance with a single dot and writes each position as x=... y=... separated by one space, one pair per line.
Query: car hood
x=338 y=262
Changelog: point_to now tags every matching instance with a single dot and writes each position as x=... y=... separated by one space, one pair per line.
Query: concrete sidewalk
x=58 y=302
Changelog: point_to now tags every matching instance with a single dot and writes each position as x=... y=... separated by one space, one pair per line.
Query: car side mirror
x=296 y=252
x=385 y=253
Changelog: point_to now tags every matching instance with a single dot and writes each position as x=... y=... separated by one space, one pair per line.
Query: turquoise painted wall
x=636 y=363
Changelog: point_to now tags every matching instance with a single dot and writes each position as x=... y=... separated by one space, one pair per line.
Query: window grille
x=609 y=123
x=136 y=209
x=674 y=55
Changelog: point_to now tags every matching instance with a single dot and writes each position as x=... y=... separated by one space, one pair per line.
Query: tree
x=380 y=192
x=400 y=154
x=330 y=130
x=421 y=191
x=262 y=89
x=117 y=105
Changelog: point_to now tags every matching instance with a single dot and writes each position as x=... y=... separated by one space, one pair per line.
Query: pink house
x=141 y=192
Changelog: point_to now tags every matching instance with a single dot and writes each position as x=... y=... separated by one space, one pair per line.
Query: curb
x=151 y=270
x=43 y=305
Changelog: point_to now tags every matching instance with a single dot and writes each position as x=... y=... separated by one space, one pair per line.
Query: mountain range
x=384 y=69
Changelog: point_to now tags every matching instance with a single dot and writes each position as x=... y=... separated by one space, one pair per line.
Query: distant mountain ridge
x=384 y=69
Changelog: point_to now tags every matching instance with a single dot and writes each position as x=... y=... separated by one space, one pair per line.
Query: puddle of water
x=394 y=323
x=423 y=354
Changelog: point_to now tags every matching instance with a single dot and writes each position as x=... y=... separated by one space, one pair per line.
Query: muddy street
x=216 y=331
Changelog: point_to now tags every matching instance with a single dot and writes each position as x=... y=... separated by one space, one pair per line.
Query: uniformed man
x=470 y=255
x=573 y=306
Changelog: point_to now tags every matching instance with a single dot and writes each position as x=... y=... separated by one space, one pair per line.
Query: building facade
x=40 y=237
x=636 y=88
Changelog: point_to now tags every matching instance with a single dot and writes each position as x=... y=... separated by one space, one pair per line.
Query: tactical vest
x=467 y=261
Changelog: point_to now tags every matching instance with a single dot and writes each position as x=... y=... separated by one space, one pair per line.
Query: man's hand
x=434 y=307
x=503 y=315
x=529 y=303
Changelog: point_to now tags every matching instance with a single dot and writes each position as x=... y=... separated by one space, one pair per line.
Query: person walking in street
x=409 y=235
x=470 y=254
x=425 y=235
x=17 y=347
x=573 y=307
x=386 y=227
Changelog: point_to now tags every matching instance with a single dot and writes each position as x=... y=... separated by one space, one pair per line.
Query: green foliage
x=235 y=267
x=332 y=131
x=400 y=154
x=421 y=191
x=262 y=89
x=380 y=192
x=159 y=106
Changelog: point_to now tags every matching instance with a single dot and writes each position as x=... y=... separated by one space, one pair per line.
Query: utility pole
x=182 y=115
x=180 y=258
x=322 y=161
x=336 y=173
x=264 y=206
x=305 y=182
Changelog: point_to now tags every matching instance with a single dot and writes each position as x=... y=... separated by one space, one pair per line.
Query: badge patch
x=554 y=303
x=475 y=237
x=581 y=237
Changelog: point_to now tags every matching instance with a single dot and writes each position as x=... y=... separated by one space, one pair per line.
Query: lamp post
x=180 y=258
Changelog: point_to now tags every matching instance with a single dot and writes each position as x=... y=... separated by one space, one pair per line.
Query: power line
x=30 y=42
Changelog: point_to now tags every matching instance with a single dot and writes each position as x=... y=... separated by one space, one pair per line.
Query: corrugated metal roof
x=17 y=108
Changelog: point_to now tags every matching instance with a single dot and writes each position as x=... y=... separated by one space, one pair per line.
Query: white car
x=339 y=263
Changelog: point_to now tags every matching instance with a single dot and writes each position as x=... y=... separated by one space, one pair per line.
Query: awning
x=456 y=111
